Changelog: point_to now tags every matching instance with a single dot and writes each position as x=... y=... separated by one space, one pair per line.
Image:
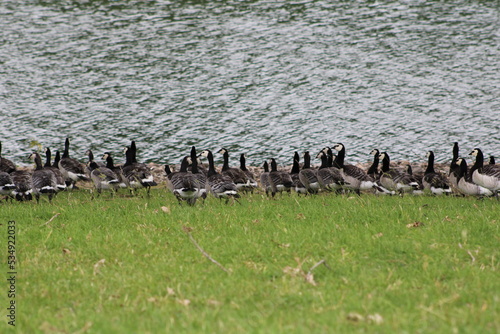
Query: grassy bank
x=335 y=264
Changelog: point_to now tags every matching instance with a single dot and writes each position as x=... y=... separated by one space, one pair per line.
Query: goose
x=239 y=178
x=116 y=169
x=60 y=183
x=103 y=178
x=220 y=186
x=395 y=180
x=373 y=169
x=434 y=182
x=465 y=184
x=252 y=184
x=329 y=178
x=487 y=176
x=188 y=186
x=279 y=181
x=418 y=177
x=308 y=176
x=294 y=174
x=6 y=165
x=6 y=184
x=90 y=154
x=355 y=178
x=454 y=167
x=24 y=185
x=136 y=175
x=264 y=178
x=43 y=180
x=71 y=169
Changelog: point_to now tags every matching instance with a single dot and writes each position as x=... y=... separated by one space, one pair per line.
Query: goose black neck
x=455 y=151
x=295 y=166
x=38 y=161
x=128 y=157
x=194 y=161
x=386 y=163
x=307 y=160
x=478 y=164
x=430 y=163
x=93 y=165
x=225 y=165
x=211 y=166
x=243 y=166
x=324 y=161
x=266 y=167
x=47 y=158
x=91 y=156
x=274 y=166
x=373 y=168
x=57 y=158
x=339 y=160
x=329 y=154
x=462 y=172
x=109 y=162
x=66 y=149
x=184 y=165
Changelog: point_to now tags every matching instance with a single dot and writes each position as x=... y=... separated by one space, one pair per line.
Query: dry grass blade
x=51 y=219
x=203 y=252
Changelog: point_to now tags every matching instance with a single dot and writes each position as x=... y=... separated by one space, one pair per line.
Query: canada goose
x=393 y=179
x=308 y=176
x=465 y=184
x=71 y=169
x=329 y=178
x=90 y=154
x=136 y=175
x=188 y=186
x=294 y=174
x=252 y=184
x=355 y=178
x=418 y=178
x=434 y=182
x=220 y=186
x=454 y=167
x=43 y=180
x=373 y=169
x=115 y=168
x=264 y=179
x=103 y=178
x=279 y=181
x=60 y=183
x=487 y=176
x=5 y=164
x=24 y=185
x=239 y=178
x=6 y=184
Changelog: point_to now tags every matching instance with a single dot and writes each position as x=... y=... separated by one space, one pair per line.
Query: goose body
x=6 y=184
x=239 y=177
x=252 y=184
x=6 y=165
x=434 y=182
x=264 y=178
x=60 y=182
x=395 y=180
x=308 y=176
x=136 y=175
x=279 y=181
x=24 y=185
x=103 y=177
x=329 y=177
x=465 y=184
x=220 y=186
x=355 y=178
x=116 y=169
x=294 y=175
x=487 y=176
x=71 y=169
x=188 y=186
x=43 y=180
x=454 y=167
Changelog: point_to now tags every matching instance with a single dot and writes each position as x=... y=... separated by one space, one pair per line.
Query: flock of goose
x=194 y=180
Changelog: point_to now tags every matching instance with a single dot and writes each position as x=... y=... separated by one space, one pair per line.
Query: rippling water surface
x=264 y=78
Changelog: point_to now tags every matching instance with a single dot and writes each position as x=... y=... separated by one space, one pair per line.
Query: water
x=256 y=77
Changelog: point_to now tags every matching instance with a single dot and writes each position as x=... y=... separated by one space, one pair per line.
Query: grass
x=127 y=265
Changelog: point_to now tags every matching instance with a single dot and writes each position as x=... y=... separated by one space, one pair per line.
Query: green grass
x=124 y=265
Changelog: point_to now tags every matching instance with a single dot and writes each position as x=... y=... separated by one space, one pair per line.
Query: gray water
x=257 y=77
